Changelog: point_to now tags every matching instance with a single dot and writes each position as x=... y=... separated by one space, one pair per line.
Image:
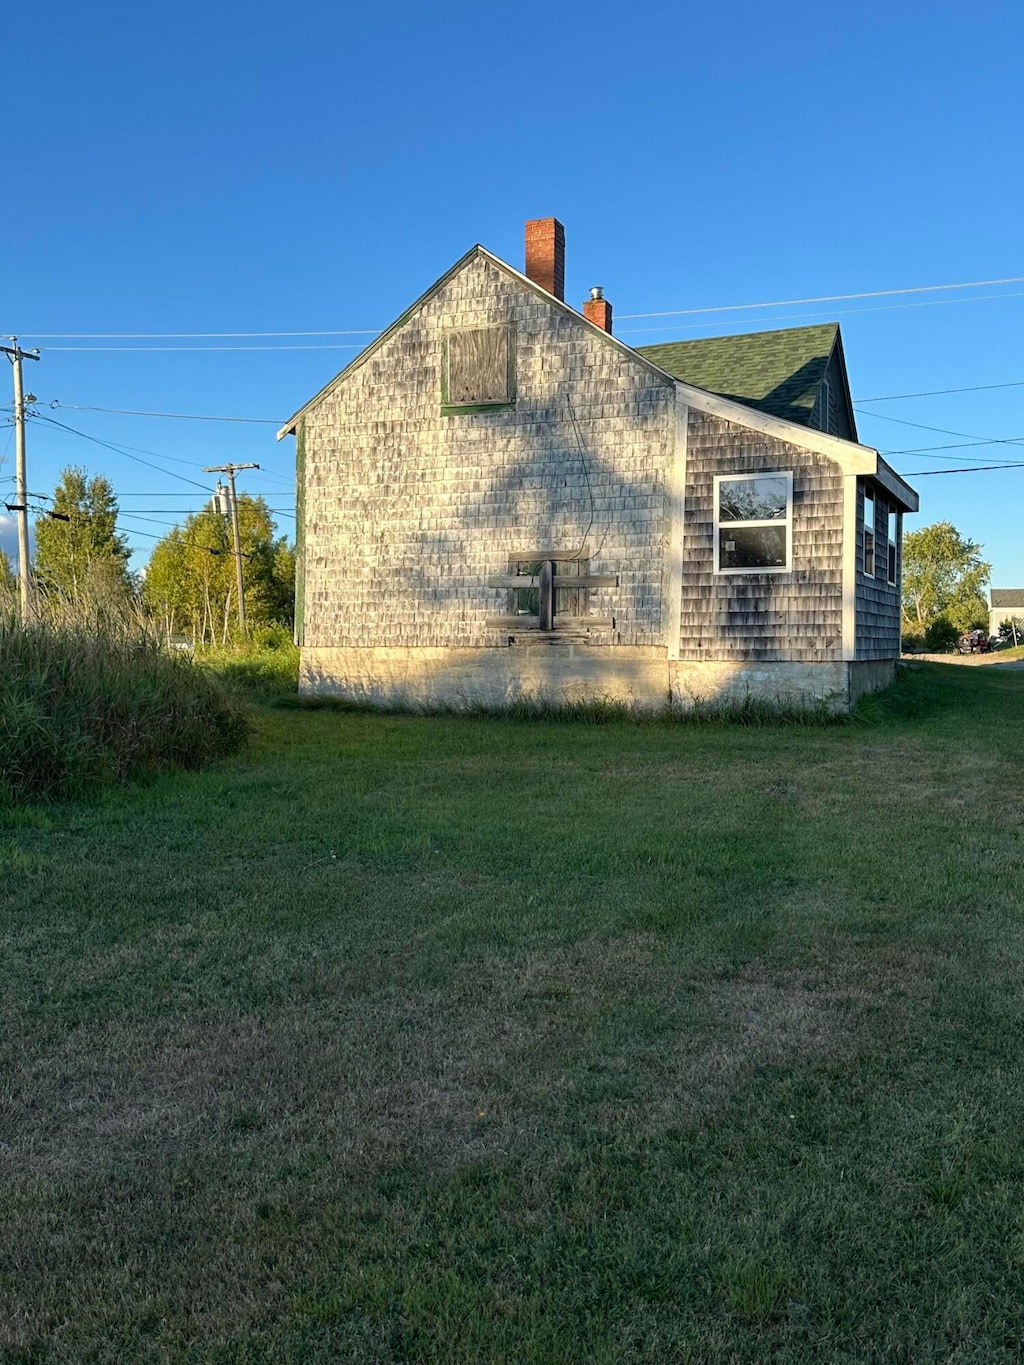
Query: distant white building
x=1005 y=604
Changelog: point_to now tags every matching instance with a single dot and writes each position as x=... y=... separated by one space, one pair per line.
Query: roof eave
x=896 y=487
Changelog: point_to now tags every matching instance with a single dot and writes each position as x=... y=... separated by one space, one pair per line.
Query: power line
x=123 y=446
x=183 y=336
x=339 y=346
x=675 y=312
x=930 y=451
x=973 y=469
x=969 y=436
x=97 y=350
x=832 y=313
x=184 y=511
x=828 y=298
x=182 y=416
x=119 y=451
x=934 y=393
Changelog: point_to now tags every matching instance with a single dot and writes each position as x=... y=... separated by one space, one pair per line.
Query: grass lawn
x=409 y=1039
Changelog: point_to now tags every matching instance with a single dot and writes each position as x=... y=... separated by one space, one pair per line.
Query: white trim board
x=677 y=530
x=850 y=567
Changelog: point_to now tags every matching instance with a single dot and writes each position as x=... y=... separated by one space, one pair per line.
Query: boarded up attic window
x=478 y=369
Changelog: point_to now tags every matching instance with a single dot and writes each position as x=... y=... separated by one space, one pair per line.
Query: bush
x=83 y=703
x=941 y=634
x=913 y=642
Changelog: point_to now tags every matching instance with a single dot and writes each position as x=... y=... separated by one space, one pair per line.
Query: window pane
x=752 y=547
x=759 y=499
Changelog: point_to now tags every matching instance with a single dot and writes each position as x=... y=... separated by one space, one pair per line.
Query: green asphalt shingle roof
x=777 y=372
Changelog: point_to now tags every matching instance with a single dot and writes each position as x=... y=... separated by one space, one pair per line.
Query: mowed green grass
x=412 y=1039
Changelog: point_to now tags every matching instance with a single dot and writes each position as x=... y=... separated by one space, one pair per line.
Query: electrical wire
x=185 y=336
x=972 y=469
x=832 y=313
x=970 y=438
x=119 y=450
x=930 y=451
x=935 y=393
x=349 y=346
x=674 y=312
x=182 y=416
x=701 y=326
x=826 y=298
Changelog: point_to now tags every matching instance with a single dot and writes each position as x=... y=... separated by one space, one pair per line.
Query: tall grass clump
x=263 y=666
x=90 y=697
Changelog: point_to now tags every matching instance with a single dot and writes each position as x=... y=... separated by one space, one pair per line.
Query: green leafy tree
x=190 y=579
x=943 y=576
x=79 y=552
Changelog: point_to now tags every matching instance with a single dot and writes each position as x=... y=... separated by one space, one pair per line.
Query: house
x=1006 y=604
x=500 y=499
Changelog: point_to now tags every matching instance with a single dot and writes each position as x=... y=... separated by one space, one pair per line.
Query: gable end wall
x=408 y=511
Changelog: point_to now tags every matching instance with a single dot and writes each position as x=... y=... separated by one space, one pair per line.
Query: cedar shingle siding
x=878 y=601
x=408 y=511
x=796 y=616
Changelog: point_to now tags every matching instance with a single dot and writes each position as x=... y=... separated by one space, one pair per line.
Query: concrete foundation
x=870 y=675
x=428 y=678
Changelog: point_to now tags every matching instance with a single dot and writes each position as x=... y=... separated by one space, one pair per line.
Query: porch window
x=893 y=527
x=869 y=532
x=754 y=522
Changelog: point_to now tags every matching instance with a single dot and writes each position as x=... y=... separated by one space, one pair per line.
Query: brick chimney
x=545 y=255
x=598 y=310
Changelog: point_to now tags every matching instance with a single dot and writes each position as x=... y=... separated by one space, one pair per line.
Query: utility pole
x=230 y=470
x=16 y=355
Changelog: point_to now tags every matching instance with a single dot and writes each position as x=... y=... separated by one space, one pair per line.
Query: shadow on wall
x=554 y=493
x=783 y=400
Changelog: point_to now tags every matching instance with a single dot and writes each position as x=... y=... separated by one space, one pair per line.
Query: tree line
x=187 y=588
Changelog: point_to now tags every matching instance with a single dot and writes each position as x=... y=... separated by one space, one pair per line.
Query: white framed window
x=893 y=536
x=754 y=522
x=869 y=532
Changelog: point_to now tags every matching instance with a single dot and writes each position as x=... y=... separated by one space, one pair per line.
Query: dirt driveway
x=972 y=660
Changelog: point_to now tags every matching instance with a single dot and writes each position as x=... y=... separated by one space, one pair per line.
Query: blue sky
x=246 y=168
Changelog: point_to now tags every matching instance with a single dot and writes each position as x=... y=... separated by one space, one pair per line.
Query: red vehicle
x=975 y=642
